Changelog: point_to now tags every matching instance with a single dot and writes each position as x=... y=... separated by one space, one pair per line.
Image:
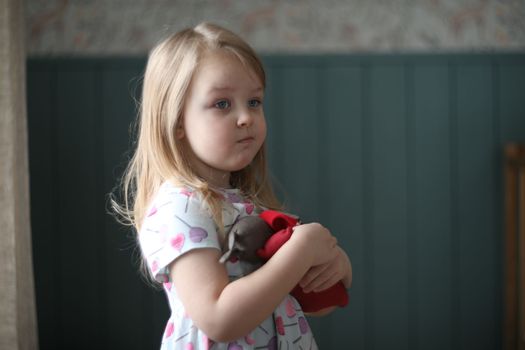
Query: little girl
x=199 y=167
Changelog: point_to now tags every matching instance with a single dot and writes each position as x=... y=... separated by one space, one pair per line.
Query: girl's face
x=223 y=120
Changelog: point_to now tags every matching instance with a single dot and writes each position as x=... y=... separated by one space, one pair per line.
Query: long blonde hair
x=159 y=155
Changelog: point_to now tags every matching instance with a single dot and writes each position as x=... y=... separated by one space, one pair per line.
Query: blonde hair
x=159 y=155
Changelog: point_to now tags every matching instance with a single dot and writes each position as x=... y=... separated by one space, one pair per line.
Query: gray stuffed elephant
x=247 y=235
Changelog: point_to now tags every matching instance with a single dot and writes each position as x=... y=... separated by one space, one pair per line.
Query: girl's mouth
x=246 y=140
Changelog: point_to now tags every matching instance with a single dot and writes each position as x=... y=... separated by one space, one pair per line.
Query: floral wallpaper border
x=124 y=27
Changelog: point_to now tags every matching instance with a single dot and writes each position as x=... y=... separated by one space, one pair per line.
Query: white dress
x=177 y=222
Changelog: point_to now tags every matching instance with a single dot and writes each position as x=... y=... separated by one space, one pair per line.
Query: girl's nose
x=245 y=119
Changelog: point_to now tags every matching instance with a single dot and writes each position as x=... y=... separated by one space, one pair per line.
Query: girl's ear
x=179 y=133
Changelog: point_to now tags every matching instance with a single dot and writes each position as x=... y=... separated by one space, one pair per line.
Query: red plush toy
x=282 y=225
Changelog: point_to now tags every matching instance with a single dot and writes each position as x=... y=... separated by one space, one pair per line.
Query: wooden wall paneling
x=144 y=322
x=521 y=249
x=513 y=325
x=80 y=245
x=511 y=97
x=274 y=123
x=511 y=83
x=477 y=158
x=42 y=104
x=398 y=155
x=510 y=252
x=341 y=113
x=387 y=153
x=300 y=141
x=430 y=199
x=521 y=262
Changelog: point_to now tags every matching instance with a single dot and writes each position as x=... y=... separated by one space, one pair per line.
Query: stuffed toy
x=255 y=239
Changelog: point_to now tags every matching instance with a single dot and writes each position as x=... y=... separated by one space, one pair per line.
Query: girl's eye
x=222 y=104
x=254 y=103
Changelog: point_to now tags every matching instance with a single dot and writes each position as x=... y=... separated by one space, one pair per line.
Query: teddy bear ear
x=230 y=244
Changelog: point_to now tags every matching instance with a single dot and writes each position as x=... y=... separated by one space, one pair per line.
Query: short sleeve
x=176 y=223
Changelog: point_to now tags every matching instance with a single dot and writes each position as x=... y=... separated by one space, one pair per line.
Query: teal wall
x=399 y=155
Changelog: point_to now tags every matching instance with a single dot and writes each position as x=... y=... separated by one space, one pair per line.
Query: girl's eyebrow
x=229 y=88
x=220 y=88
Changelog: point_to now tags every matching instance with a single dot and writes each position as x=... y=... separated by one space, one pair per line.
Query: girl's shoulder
x=170 y=197
x=169 y=190
x=175 y=223
x=184 y=199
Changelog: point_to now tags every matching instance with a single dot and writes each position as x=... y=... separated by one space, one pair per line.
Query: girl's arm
x=321 y=277
x=227 y=311
x=347 y=279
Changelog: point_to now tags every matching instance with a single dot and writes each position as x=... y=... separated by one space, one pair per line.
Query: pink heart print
x=154 y=266
x=177 y=242
x=249 y=207
x=249 y=340
x=290 y=308
x=208 y=343
x=280 y=325
x=169 y=330
x=152 y=211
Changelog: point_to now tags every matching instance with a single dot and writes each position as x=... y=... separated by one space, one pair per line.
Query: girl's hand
x=316 y=242
x=321 y=277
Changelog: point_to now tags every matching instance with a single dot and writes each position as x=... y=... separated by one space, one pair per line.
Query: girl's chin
x=222 y=171
x=240 y=164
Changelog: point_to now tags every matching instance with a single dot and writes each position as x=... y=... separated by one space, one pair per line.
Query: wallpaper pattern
x=124 y=27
